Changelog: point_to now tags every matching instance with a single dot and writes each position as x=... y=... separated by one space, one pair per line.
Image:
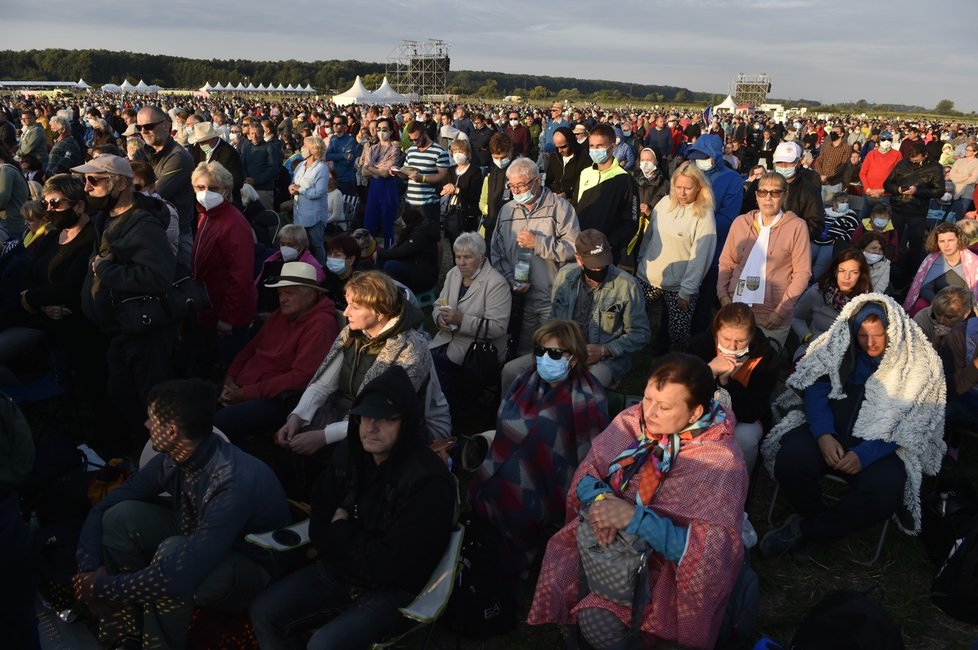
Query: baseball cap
x=105 y=164
x=593 y=248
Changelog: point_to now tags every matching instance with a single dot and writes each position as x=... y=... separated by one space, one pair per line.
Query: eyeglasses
x=54 y=204
x=339 y=123
x=774 y=194
x=148 y=126
x=95 y=181
x=561 y=147
x=553 y=353
x=520 y=187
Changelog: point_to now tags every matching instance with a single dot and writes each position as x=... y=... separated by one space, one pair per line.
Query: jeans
x=875 y=492
x=416 y=277
x=317 y=244
x=313 y=598
x=821 y=260
x=136 y=534
x=869 y=203
x=381 y=209
x=253 y=417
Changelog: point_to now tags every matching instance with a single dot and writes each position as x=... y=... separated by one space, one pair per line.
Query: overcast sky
x=884 y=51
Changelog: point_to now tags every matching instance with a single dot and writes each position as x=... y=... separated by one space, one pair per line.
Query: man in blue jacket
x=728 y=193
x=343 y=150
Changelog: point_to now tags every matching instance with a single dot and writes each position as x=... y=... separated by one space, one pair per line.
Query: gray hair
x=62 y=122
x=216 y=172
x=523 y=167
x=470 y=242
x=296 y=233
x=947 y=295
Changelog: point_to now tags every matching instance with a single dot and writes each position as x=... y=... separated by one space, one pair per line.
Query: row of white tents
x=358 y=94
x=270 y=88
x=126 y=87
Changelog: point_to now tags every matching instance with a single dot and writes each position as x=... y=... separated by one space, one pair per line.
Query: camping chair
x=838 y=480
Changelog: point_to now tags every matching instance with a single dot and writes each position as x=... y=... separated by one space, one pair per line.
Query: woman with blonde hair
x=676 y=253
x=309 y=195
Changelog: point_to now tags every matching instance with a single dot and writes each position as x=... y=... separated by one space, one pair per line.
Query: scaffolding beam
x=419 y=68
x=750 y=89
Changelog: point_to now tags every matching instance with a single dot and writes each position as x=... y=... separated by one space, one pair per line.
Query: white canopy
x=726 y=105
x=207 y=87
x=357 y=94
x=240 y=86
x=141 y=87
x=387 y=95
x=309 y=89
x=154 y=89
x=111 y=88
x=290 y=88
x=280 y=88
x=218 y=86
x=250 y=86
x=127 y=87
x=81 y=84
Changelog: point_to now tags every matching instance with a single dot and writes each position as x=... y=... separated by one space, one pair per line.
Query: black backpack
x=847 y=620
x=955 y=587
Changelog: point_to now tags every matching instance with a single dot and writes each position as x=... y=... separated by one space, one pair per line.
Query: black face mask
x=835 y=136
x=595 y=275
x=102 y=203
x=63 y=219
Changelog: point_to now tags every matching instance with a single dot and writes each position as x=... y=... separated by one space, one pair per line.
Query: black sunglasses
x=769 y=193
x=149 y=126
x=54 y=204
x=554 y=353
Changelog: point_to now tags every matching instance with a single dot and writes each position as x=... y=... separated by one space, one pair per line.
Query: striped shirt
x=427 y=163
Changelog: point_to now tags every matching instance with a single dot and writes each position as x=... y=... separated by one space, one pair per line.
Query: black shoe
x=783 y=540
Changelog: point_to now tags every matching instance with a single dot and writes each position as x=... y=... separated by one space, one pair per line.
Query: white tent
x=127 y=87
x=387 y=95
x=308 y=89
x=240 y=87
x=728 y=105
x=141 y=87
x=357 y=94
x=290 y=88
x=218 y=87
x=280 y=88
x=262 y=87
x=207 y=87
x=111 y=88
x=154 y=89
x=81 y=84
x=251 y=86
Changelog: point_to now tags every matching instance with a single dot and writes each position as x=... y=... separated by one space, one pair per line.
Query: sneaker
x=783 y=540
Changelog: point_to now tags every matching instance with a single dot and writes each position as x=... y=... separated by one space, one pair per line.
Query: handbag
x=146 y=313
x=481 y=362
x=613 y=572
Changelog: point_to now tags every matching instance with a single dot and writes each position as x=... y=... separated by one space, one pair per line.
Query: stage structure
x=419 y=68
x=750 y=89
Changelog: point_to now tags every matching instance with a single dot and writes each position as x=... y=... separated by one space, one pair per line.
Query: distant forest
x=98 y=67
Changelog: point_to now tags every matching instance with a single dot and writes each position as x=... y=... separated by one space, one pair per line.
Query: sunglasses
x=149 y=126
x=553 y=353
x=383 y=130
x=775 y=194
x=54 y=204
x=97 y=180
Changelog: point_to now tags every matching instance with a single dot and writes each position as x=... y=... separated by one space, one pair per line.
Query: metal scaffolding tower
x=419 y=68
x=750 y=89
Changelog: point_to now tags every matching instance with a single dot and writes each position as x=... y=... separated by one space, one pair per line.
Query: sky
x=882 y=51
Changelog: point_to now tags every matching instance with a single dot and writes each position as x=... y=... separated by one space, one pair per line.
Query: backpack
x=481 y=606
x=955 y=587
x=847 y=620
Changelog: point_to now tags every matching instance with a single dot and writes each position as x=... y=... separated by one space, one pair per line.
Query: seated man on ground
x=608 y=305
x=961 y=371
x=871 y=387
x=951 y=305
x=381 y=519
x=143 y=567
x=265 y=379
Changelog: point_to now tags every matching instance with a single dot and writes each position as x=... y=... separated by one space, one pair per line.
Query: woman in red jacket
x=222 y=260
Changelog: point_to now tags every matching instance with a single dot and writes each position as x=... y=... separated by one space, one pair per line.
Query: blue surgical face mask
x=598 y=156
x=523 y=197
x=551 y=370
x=335 y=265
x=787 y=172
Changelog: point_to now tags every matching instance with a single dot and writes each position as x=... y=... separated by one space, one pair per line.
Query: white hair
x=523 y=167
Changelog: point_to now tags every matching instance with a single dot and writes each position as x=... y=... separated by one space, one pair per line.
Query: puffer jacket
x=929 y=179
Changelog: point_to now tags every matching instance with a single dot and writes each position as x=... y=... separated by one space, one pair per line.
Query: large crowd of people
x=257 y=291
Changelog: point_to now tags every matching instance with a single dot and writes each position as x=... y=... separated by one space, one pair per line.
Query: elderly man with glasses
x=132 y=258
x=33 y=140
x=343 y=151
x=172 y=165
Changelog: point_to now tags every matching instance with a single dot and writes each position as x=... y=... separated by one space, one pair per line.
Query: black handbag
x=481 y=362
x=149 y=312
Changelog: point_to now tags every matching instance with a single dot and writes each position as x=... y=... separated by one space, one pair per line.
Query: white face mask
x=460 y=158
x=502 y=163
x=735 y=353
x=872 y=258
x=880 y=223
x=843 y=207
x=647 y=167
x=289 y=254
x=885 y=145
x=209 y=199
x=704 y=164
x=514 y=122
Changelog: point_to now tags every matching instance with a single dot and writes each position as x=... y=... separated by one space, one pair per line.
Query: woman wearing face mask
x=949 y=263
x=342 y=259
x=546 y=422
x=653 y=186
x=293 y=246
x=840 y=223
x=222 y=260
x=376 y=161
x=676 y=254
x=463 y=188
x=872 y=245
x=495 y=190
x=48 y=294
x=309 y=195
x=745 y=365
x=847 y=277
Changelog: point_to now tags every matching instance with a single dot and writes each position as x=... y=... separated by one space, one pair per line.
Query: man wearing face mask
x=495 y=190
x=565 y=165
x=207 y=145
x=876 y=167
x=65 y=153
x=831 y=161
x=913 y=183
x=580 y=136
x=804 y=197
x=659 y=139
x=541 y=226
x=518 y=134
x=131 y=258
x=608 y=305
x=607 y=196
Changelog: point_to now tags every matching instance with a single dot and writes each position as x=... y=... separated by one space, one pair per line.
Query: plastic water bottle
x=521 y=272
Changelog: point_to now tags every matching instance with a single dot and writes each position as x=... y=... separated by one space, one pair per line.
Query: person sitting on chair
x=293 y=243
x=143 y=567
x=381 y=519
x=873 y=415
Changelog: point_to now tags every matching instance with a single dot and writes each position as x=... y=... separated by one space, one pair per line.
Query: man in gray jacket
x=541 y=227
x=33 y=140
x=608 y=305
